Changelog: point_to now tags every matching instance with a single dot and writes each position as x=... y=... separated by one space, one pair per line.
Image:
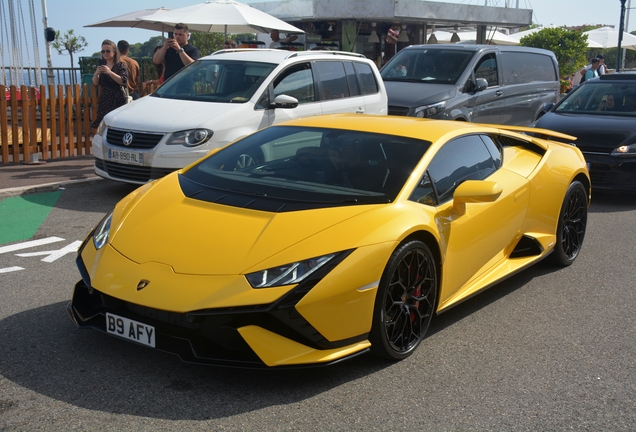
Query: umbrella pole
x=620 y=37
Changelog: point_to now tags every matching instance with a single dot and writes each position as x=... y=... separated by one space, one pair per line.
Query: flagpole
x=49 y=61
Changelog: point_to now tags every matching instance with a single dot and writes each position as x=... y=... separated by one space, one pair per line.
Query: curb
x=46 y=187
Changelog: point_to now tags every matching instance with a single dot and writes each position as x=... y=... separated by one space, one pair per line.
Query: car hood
x=169 y=115
x=415 y=94
x=593 y=132
x=202 y=238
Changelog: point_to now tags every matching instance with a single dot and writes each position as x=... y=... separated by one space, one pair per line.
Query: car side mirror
x=481 y=84
x=544 y=109
x=284 y=101
x=475 y=191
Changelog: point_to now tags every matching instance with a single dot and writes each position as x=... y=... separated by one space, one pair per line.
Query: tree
x=207 y=43
x=569 y=47
x=69 y=42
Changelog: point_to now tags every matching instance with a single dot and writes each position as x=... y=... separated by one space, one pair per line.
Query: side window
x=495 y=150
x=526 y=67
x=297 y=81
x=352 y=79
x=487 y=68
x=368 y=84
x=464 y=158
x=332 y=82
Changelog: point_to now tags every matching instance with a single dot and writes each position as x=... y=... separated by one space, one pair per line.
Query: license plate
x=126 y=157
x=130 y=329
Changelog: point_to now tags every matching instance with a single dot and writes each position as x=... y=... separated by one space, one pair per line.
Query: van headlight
x=625 y=151
x=190 y=138
x=429 y=110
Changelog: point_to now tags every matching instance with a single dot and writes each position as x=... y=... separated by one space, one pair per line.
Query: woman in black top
x=112 y=77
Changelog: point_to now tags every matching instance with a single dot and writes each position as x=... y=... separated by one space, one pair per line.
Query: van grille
x=398 y=111
x=141 y=140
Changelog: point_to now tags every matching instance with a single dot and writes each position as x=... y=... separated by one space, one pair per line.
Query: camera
x=170 y=35
x=101 y=62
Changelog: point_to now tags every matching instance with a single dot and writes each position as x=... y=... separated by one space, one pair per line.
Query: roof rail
x=311 y=52
x=223 y=51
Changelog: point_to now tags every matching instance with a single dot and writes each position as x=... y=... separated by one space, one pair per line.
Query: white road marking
x=29 y=244
x=56 y=254
x=10 y=269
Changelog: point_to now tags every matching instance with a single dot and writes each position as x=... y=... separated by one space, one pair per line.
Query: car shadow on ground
x=91 y=370
x=611 y=202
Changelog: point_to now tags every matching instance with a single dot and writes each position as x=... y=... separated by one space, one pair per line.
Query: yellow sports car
x=323 y=238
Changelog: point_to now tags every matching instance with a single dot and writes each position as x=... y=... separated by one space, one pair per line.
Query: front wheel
x=572 y=224
x=405 y=301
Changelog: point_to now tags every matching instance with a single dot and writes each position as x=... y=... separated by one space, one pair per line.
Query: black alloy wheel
x=572 y=224
x=405 y=301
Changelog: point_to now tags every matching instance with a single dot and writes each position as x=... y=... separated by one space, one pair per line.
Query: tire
x=405 y=302
x=572 y=224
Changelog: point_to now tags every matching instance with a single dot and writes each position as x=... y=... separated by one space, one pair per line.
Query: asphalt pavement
x=43 y=176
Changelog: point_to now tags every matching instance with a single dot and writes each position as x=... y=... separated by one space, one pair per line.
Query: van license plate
x=130 y=329
x=126 y=157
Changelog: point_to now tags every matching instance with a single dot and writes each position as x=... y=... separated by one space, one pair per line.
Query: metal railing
x=33 y=77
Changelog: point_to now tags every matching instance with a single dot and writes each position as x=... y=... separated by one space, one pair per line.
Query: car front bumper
x=610 y=172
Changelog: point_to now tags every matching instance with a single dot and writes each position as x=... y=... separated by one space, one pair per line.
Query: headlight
x=625 y=151
x=101 y=128
x=102 y=232
x=430 y=110
x=190 y=138
x=288 y=274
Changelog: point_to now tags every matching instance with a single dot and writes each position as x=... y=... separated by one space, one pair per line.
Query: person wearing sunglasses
x=230 y=44
x=112 y=78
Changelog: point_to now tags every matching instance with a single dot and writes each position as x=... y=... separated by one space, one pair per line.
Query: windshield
x=228 y=81
x=436 y=66
x=602 y=98
x=313 y=165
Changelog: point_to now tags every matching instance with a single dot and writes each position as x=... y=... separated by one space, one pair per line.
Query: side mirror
x=544 y=109
x=475 y=191
x=284 y=101
x=481 y=84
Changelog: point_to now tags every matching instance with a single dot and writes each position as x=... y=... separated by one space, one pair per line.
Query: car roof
x=411 y=127
x=619 y=76
x=279 y=56
x=477 y=47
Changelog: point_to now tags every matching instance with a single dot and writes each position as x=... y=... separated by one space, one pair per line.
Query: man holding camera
x=176 y=52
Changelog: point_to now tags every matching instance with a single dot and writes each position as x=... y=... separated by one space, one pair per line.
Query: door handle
x=360 y=111
x=498 y=93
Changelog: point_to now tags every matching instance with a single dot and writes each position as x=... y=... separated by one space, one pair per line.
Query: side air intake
x=527 y=246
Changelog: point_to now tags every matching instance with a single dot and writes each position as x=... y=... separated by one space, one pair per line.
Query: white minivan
x=225 y=96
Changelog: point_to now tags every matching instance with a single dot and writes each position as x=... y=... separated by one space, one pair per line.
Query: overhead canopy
x=131 y=19
x=222 y=16
x=607 y=37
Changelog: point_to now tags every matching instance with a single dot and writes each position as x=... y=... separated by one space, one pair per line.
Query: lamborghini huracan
x=323 y=238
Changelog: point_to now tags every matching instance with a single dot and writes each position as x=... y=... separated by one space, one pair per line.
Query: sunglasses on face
x=106 y=51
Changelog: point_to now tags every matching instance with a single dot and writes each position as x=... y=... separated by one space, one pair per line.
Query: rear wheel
x=405 y=301
x=572 y=224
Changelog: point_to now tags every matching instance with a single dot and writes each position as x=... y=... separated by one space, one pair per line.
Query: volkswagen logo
x=142 y=284
x=127 y=139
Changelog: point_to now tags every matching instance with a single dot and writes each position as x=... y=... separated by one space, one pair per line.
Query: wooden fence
x=48 y=122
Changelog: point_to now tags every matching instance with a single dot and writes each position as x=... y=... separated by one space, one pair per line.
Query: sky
x=75 y=14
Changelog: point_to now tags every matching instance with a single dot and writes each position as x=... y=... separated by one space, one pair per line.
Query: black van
x=476 y=83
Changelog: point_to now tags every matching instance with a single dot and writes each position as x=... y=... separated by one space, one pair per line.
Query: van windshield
x=227 y=81
x=437 y=66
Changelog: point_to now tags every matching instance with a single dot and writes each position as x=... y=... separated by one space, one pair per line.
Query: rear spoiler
x=539 y=133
